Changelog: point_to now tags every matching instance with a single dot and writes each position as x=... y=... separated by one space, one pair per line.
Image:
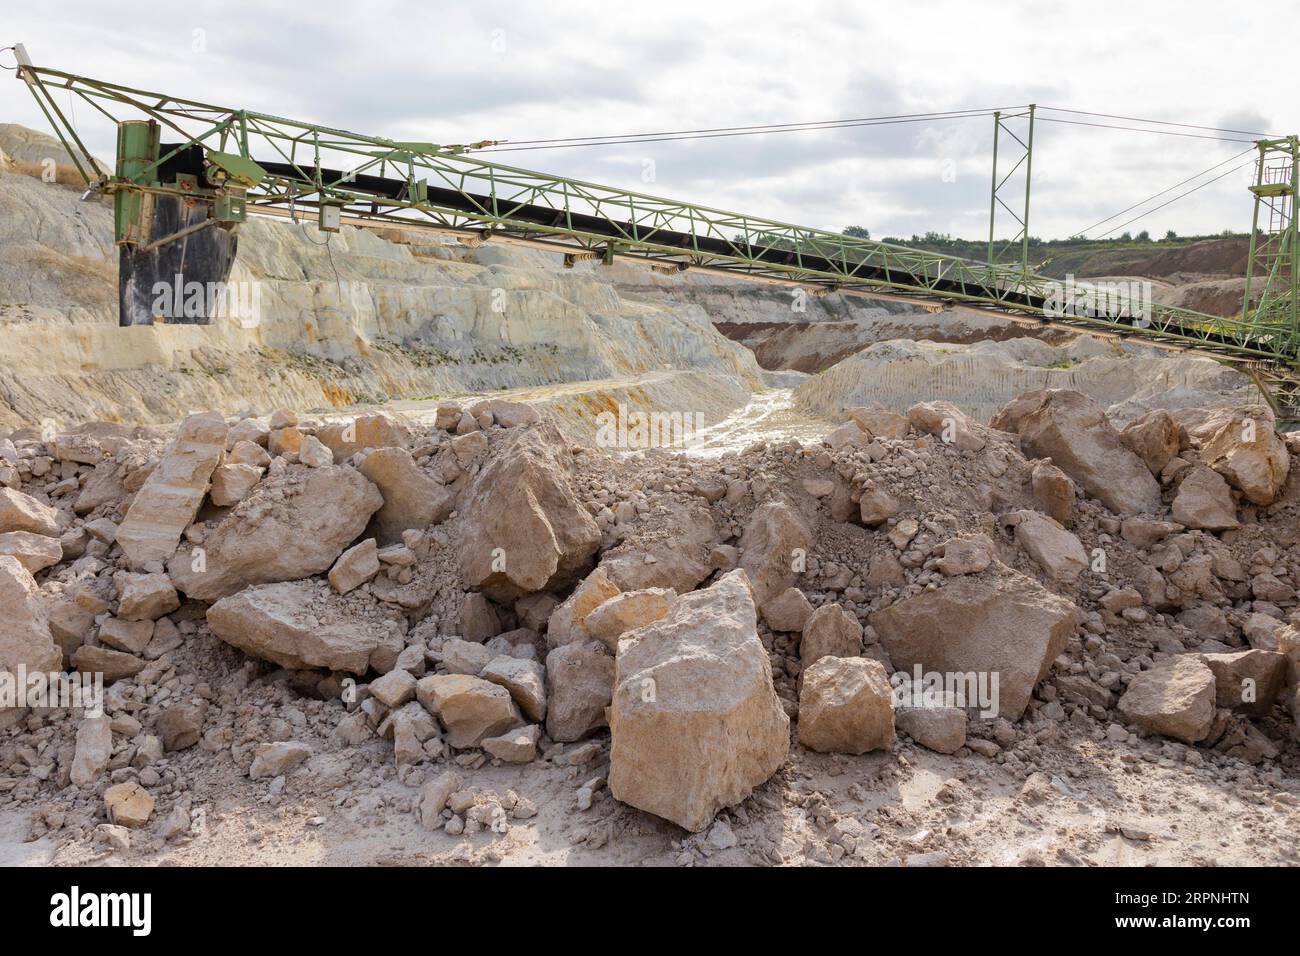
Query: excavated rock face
x=292 y=526
x=1073 y=431
x=525 y=529
x=695 y=722
x=995 y=622
x=289 y=625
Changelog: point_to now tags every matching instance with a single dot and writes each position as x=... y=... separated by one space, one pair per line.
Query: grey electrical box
x=331 y=217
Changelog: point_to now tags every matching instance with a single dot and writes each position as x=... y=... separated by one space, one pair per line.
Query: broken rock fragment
x=173 y=492
x=846 y=706
x=695 y=721
x=525 y=529
x=998 y=622
x=292 y=526
x=1174 y=699
x=469 y=707
x=285 y=624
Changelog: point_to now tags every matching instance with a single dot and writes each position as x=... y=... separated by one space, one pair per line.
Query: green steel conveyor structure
x=226 y=162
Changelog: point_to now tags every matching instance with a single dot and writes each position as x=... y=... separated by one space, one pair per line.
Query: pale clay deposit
x=456 y=630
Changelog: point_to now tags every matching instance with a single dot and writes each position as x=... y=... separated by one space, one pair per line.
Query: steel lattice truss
x=307 y=165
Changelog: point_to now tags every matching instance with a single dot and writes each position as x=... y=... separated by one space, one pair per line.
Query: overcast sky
x=522 y=71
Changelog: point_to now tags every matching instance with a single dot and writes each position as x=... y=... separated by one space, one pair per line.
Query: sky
x=514 y=70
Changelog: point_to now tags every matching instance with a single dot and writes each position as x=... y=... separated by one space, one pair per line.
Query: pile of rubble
x=261 y=596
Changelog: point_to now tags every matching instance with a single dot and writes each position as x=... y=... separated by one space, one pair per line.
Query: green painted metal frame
x=1273 y=265
x=1268 y=346
x=1025 y=158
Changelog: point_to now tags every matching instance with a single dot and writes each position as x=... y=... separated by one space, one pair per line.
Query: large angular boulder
x=998 y=622
x=946 y=422
x=173 y=492
x=471 y=708
x=35 y=552
x=846 y=706
x=292 y=526
x=1072 y=430
x=579 y=684
x=1155 y=438
x=775 y=541
x=25 y=639
x=375 y=430
x=288 y=624
x=568 y=621
x=1250 y=681
x=411 y=498
x=830 y=631
x=1174 y=699
x=1057 y=551
x=695 y=722
x=1204 y=501
x=524 y=528
x=1249 y=454
x=20 y=512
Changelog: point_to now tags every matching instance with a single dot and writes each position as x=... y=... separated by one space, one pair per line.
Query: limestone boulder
x=846 y=706
x=170 y=498
x=25 y=639
x=355 y=566
x=998 y=622
x=35 y=552
x=1204 y=501
x=775 y=542
x=1054 y=491
x=788 y=611
x=21 y=512
x=524 y=529
x=94 y=748
x=1174 y=699
x=146 y=597
x=411 y=498
x=879 y=422
x=1250 y=455
x=469 y=707
x=232 y=482
x=1057 y=551
x=579 y=685
x=1250 y=681
x=696 y=724
x=525 y=679
x=1072 y=430
x=568 y=621
x=830 y=631
x=375 y=430
x=1155 y=438
x=627 y=610
x=292 y=526
x=948 y=423
x=287 y=624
